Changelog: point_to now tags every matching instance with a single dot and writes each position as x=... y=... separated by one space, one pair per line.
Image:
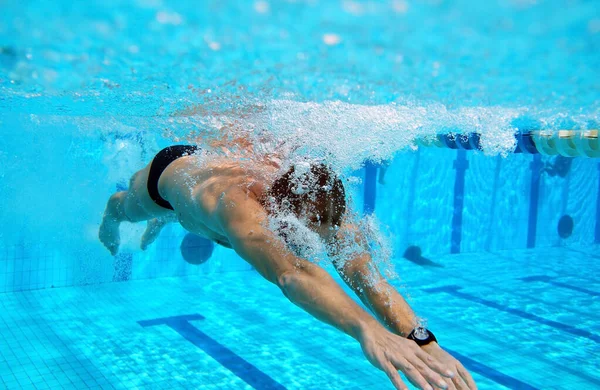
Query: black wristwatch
x=421 y=336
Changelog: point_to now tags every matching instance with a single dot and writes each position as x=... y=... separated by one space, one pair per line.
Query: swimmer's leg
x=114 y=214
x=154 y=228
x=133 y=205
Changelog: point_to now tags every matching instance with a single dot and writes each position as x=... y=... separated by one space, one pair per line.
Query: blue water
x=509 y=332
x=90 y=91
x=150 y=57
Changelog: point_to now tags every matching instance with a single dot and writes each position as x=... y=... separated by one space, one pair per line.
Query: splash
x=302 y=241
x=365 y=235
x=294 y=133
x=346 y=135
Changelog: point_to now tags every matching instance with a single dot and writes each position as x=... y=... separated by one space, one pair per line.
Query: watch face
x=421 y=333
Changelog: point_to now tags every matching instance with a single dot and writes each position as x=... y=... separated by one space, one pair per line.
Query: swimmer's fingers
x=469 y=383
x=419 y=371
x=392 y=353
x=392 y=373
x=434 y=364
x=412 y=374
x=460 y=382
x=461 y=379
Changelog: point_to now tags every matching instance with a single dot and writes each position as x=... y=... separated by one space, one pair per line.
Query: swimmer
x=230 y=201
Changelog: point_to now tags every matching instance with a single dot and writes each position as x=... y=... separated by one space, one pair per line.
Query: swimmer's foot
x=109 y=234
x=109 y=228
x=152 y=231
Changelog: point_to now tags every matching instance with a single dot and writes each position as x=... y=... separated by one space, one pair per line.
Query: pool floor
x=518 y=320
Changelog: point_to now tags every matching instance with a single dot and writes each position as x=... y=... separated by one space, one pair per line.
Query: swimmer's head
x=312 y=192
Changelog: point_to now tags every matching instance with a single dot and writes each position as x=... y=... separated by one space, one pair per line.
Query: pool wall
x=417 y=202
x=56 y=179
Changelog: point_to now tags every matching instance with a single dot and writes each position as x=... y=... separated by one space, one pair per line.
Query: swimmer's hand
x=392 y=353
x=461 y=381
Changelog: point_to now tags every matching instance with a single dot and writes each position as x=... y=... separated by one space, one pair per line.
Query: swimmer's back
x=199 y=185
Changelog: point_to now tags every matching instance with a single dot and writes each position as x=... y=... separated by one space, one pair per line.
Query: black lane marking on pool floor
x=226 y=357
x=549 y=280
x=454 y=290
x=488 y=372
x=259 y=380
x=585 y=277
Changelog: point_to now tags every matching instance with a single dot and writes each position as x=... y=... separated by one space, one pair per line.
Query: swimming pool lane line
x=226 y=357
x=259 y=380
x=461 y=164
x=541 y=362
x=534 y=197
x=534 y=300
x=505 y=380
x=370 y=187
x=492 y=212
x=584 y=277
x=548 y=280
x=455 y=291
x=412 y=189
x=567 y=143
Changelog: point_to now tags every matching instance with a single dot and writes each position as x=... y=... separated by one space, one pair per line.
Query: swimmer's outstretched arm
x=386 y=303
x=243 y=221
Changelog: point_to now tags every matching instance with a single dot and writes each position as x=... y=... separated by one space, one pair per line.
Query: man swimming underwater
x=230 y=201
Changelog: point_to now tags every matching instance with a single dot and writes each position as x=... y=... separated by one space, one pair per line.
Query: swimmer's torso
x=198 y=186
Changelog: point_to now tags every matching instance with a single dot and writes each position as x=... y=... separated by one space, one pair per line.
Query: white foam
x=346 y=135
x=305 y=243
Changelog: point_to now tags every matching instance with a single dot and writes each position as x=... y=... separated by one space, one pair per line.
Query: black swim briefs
x=159 y=164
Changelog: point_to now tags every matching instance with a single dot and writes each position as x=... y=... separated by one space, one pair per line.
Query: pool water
x=529 y=327
x=497 y=251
